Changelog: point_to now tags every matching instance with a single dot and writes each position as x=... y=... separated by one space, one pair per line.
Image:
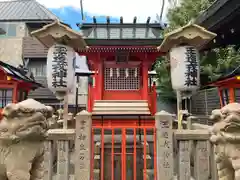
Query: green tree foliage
x=177 y=16
x=187 y=11
x=214 y=64
x=162 y=68
x=219 y=62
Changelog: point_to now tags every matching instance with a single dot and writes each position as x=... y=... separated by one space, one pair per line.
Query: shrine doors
x=122 y=82
x=123 y=150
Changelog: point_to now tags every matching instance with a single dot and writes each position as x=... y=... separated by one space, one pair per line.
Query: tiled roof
x=19 y=74
x=42 y=93
x=121 y=30
x=231 y=74
x=127 y=33
x=24 y=10
x=210 y=11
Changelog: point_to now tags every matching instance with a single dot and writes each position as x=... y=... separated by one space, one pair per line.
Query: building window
x=38 y=70
x=5 y=97
x=9 y=28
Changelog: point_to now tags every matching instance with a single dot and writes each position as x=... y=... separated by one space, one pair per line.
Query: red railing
x=127 y=143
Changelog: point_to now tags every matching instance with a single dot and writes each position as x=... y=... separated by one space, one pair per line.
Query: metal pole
x=65 y=111
x=88 y=78
x=81 y=6
x=179 y=108
x=162 y=10
x=76 y=100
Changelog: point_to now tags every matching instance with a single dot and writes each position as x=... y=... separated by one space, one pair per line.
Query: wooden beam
x=147 y=29
x=108 y=20
x=121 y=20
x=108 y=29
x=94 y=28
x=148 y=20
x=135 y=20
x=147 y=32
x=124 y=25
x=134 y=27
x=94 y=20
x=121 y=30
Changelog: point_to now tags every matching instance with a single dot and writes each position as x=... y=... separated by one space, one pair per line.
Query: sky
x=69 y=10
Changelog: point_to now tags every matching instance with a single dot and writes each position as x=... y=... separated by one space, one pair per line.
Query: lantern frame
x=190 y=35
x=57 y=32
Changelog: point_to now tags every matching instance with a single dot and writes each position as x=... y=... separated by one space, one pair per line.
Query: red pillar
x=231 y=95
x=220 y=96
x=15 y=93
x=145 y=79
x=99 y=78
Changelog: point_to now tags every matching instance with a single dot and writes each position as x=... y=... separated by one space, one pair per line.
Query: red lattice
x=121 y=82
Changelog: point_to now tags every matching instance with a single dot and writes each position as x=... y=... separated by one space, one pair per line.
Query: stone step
x=121 y=107
x=120 y=101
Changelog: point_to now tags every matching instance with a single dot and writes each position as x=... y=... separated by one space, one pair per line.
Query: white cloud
x=126 y=8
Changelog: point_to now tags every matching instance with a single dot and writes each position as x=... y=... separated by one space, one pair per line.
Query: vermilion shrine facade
x=122 y=98
x=228 y=87
x=15 y=84
x=122 y=95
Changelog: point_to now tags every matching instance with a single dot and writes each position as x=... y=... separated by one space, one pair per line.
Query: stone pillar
x=164 y=134
x=83 y=146
x=48 y=160
x=63 y=159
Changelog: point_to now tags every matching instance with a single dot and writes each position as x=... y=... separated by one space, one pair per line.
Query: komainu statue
x=23 y=130
x=225 y=135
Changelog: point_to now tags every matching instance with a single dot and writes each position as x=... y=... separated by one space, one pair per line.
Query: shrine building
x=122 y=97
x=122 y=94
x=228 y=87
x=15 y=84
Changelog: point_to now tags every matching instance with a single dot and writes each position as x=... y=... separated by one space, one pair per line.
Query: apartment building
x=18 y=19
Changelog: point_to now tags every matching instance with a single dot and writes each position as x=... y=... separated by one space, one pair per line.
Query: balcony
x=32 y=48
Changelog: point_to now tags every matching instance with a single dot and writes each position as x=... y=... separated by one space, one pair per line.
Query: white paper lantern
x=185 y=70
x=61 y=68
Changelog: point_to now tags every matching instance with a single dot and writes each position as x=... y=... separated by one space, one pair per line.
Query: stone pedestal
x=164 y=145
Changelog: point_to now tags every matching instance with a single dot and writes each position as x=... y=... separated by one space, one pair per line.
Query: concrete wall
x=82 y=91
x=11 y=47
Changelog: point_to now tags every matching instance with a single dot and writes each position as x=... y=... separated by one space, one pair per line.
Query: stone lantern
x=62 y=42
x=182 y=47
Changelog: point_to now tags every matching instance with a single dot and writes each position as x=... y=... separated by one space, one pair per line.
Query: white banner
x=61 y=68
x=185 y=69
